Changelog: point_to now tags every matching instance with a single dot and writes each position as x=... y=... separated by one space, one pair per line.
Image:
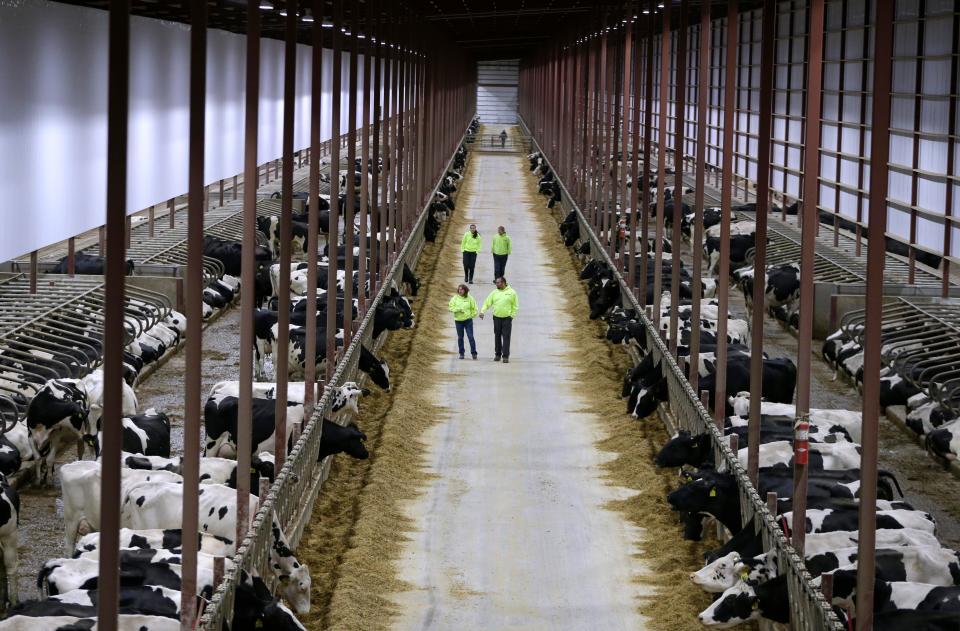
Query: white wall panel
x=53 y=82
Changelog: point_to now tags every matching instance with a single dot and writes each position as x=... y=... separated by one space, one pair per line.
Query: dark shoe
x=506 y=361
x=461 y=355
x=470 y=281
x=474 y=355
x=496 y=358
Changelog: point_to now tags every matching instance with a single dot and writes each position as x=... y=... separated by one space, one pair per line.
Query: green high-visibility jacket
x=470 y=243
x=501 y=244
x=463 y=307
x=504 y=302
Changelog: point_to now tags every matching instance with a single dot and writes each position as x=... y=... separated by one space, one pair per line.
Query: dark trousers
x=501 y=336
x=469 y=262
x=499 y=265
x=466 y=325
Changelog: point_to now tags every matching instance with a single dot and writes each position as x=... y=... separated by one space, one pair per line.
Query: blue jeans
x=466 y=325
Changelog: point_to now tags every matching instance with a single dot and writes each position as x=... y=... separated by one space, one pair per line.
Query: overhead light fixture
x=307 y=16
x=660 y=6
x=361 y=36
x=266 y=6
x=646 y=11
x=326 y=25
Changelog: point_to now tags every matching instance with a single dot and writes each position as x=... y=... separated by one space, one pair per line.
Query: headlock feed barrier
x=809 y=610
x=293 y=493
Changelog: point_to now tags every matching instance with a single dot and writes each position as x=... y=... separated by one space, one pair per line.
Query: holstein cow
x=56 y=417
x=58 y=576
x=125 y=622
x=88 y=264
x=9 y=521
x=724 y=572
x=255 y=607
x=899 y=595
x=147 y=434
x=220 y=422
x=376 y=369
x=81 y=482
x=82 y=603
x=159 y=539
x=157 y=506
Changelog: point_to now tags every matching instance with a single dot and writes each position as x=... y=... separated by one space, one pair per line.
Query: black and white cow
x=270 y=228
x=724 y=572
x=376 y=369
x=229 y=253
x=335 y=439
x=943 y=443
x=158 y=506
x=220 y=422
x=58 y=576
x=89 y=264
x=82 y=603
x=125 y=622
x=891 y=596
x=81 y=482
x=828 y=519
x=56 y=417
x=255 y=607
x=147 y=434
x=159 y=539
x=392 y=314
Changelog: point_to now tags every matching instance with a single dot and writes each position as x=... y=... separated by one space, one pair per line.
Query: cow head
x=735 y=606
x=335 y=439
x=647 y=395
x=684 y=449
x=347 y=396
x=294 y=577
x=255 y=607
x=718 y=576
x=59 y=404
x=376 y=369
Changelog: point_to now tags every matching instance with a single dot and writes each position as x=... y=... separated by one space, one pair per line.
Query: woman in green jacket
x=470 y=245
x=464 y=309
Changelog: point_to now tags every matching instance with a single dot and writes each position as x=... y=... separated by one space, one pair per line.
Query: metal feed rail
x=295 y=489
x=809 y=609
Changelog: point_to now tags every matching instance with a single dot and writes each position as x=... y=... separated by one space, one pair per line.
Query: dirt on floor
x=358 y=523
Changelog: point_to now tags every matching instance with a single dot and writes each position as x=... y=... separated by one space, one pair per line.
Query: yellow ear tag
x=756 y=604
x=744 y=574
x=258 y=624
x=713 y=492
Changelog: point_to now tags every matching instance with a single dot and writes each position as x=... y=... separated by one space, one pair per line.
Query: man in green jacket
x=501 y=249
x=470 y=245
x=504 y=301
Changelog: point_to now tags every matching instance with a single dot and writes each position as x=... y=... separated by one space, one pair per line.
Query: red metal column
x=679 y=139
x=395 y=179
x=951 y=157
x=386 y=199
x=811 y=189
x=703 y=100
x=876 y=253
x=723 y=284
x=248 y=267
x=377 y=227
x=313 y=211
x=664 y=91
x=114 y=277
x=194 y=313
x=334 y=238
x=767 y=52
x=348 y=237
x=281 y=360
x=647 y=141
x=635 y=212
x=626 y=248
x=365 y=227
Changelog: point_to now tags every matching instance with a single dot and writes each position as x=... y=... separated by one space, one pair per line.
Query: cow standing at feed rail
x=147 y=434
x=157 y=506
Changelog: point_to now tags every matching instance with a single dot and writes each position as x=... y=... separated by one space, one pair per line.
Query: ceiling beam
x=507 y=13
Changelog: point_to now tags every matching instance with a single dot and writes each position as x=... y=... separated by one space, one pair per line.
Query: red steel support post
x=679 y=140
x=723 y=284
x=647 y=148
x=333 y=241
x=351 y=197
x=313 y=203
x=703 y=100
x=281 y=360
x=635 y=211
x=365 y=228
x=664 y=91
x=117 y=117
x=876 y=253
x=767 y=52
x=811 y=188
x=194 y=357
x=248 y=266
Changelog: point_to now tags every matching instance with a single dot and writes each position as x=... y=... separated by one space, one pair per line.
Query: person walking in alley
x=503 y=139
x=470 y=246
x=504 y=301
x=500 y=248
x=464 y=309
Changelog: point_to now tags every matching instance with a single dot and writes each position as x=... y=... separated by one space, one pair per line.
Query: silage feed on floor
x=358 y=524
x=634 y=443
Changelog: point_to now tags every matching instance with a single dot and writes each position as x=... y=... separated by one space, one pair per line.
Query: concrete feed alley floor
x=511 y=530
